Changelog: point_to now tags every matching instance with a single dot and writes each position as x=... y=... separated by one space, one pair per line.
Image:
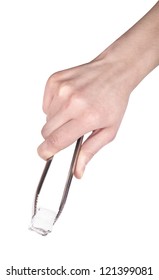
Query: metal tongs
x=66 y=188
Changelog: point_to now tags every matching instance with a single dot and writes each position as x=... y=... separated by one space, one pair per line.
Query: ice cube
x=42 y=221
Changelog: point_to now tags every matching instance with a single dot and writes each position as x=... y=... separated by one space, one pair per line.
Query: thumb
x=91 y=146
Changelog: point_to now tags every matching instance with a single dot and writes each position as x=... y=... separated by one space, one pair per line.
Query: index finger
x=49 y=92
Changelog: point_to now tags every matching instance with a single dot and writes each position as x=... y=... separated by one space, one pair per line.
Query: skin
x=93 y=97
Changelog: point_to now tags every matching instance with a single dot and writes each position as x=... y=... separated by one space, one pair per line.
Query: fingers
x=58 y=88
x=61 y=138
x=55 y=122
x=49 y=92
x=81 y=100
x=91 y=146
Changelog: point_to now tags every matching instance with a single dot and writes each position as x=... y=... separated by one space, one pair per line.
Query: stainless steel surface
x=69 y=177
x=67 y=184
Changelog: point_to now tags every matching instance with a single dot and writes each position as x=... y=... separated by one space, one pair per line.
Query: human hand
x=88 y=98
x=93 y=97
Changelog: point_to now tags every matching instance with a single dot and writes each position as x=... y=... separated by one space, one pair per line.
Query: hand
x=88 y=98
x=93 y=97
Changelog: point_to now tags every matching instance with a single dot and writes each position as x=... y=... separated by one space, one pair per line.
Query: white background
x=112 y=215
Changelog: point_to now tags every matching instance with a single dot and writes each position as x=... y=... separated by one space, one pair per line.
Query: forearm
x=138 y=48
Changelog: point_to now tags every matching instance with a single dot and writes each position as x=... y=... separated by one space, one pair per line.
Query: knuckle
x=43 y=132
x=54 y=142
x=69 y=97
x=55 y=77
x=76 y=99
x=52 y=80
x=91 y=117
x=76 y=105
x=65 y=89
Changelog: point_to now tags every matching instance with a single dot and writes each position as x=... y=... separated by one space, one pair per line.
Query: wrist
x=136 y=51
